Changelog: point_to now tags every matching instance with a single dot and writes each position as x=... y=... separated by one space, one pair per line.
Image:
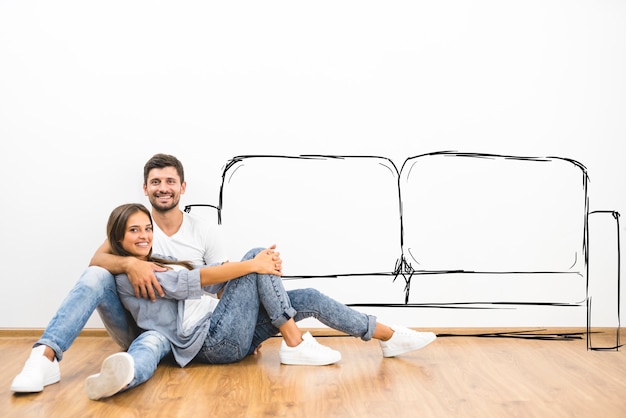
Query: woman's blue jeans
x=250 y=311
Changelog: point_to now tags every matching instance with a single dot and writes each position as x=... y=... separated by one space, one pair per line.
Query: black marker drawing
x=451 y=233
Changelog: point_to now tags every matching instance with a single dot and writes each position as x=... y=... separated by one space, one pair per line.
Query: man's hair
x=162 y=161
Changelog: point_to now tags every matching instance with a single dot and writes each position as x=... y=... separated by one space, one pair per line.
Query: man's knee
x=95 y=276
x=153 y=341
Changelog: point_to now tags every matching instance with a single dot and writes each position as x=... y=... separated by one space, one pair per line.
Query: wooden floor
x=456 y=376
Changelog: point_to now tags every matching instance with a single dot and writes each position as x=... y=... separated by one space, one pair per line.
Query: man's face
x=164 y=188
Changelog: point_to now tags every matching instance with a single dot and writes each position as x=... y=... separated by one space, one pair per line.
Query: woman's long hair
x=116 y=228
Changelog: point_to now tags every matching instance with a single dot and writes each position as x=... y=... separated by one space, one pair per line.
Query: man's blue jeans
x=94 y=290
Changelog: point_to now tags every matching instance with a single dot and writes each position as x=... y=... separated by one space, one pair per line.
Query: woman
x=253 y=306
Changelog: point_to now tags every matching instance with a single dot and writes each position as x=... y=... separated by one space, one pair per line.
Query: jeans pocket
x=223 y=352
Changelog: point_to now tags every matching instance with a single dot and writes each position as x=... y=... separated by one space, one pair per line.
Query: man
x=176 y=233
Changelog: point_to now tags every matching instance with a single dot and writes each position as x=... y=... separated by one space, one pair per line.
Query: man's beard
x=163 y=208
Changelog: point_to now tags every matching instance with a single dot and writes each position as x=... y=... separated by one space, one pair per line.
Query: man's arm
x=140 y=273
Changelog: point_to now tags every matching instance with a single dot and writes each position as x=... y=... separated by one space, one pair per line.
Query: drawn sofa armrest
x=604 y=276
x=209 y=212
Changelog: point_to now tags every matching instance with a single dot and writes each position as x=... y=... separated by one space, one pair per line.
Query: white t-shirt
x=197 y=241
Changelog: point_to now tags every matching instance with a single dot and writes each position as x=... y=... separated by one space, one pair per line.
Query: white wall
x=90 y=90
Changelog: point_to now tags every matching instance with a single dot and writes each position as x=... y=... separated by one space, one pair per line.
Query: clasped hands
x=269 y=261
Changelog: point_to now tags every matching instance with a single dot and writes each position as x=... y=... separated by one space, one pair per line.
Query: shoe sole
x=31 y=389
x=56 y=378
x=285 y=359
x=311 y=363
x=116 y=373
x=403 y=350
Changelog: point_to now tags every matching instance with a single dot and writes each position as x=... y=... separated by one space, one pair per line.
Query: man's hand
x=141 y=276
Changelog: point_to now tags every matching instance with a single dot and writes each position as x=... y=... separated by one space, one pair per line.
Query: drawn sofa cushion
x=331 y=217
x=514 y=226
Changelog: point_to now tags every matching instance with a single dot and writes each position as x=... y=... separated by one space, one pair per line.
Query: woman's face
x=138 y=236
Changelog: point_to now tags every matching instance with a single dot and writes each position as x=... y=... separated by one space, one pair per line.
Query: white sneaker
x=308 y=353
x=404 y=340
x=116 y=373
x=38 y=372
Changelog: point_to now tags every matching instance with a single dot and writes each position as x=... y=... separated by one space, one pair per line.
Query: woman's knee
x=251 y=254
x=306 y=299
x=311 y=294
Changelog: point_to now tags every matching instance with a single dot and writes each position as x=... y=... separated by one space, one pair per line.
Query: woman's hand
x=268 y=261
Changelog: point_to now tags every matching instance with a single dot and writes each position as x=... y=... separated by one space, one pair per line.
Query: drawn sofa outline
x=425 y=218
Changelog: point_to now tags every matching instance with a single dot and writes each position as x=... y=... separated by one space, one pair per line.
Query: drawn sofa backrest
x=329 y=216
x=518 y=221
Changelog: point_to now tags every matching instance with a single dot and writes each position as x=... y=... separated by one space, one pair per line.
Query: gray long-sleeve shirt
x=166 y=314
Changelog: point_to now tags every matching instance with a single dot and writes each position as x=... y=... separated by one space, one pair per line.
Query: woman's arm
x=265 y=262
